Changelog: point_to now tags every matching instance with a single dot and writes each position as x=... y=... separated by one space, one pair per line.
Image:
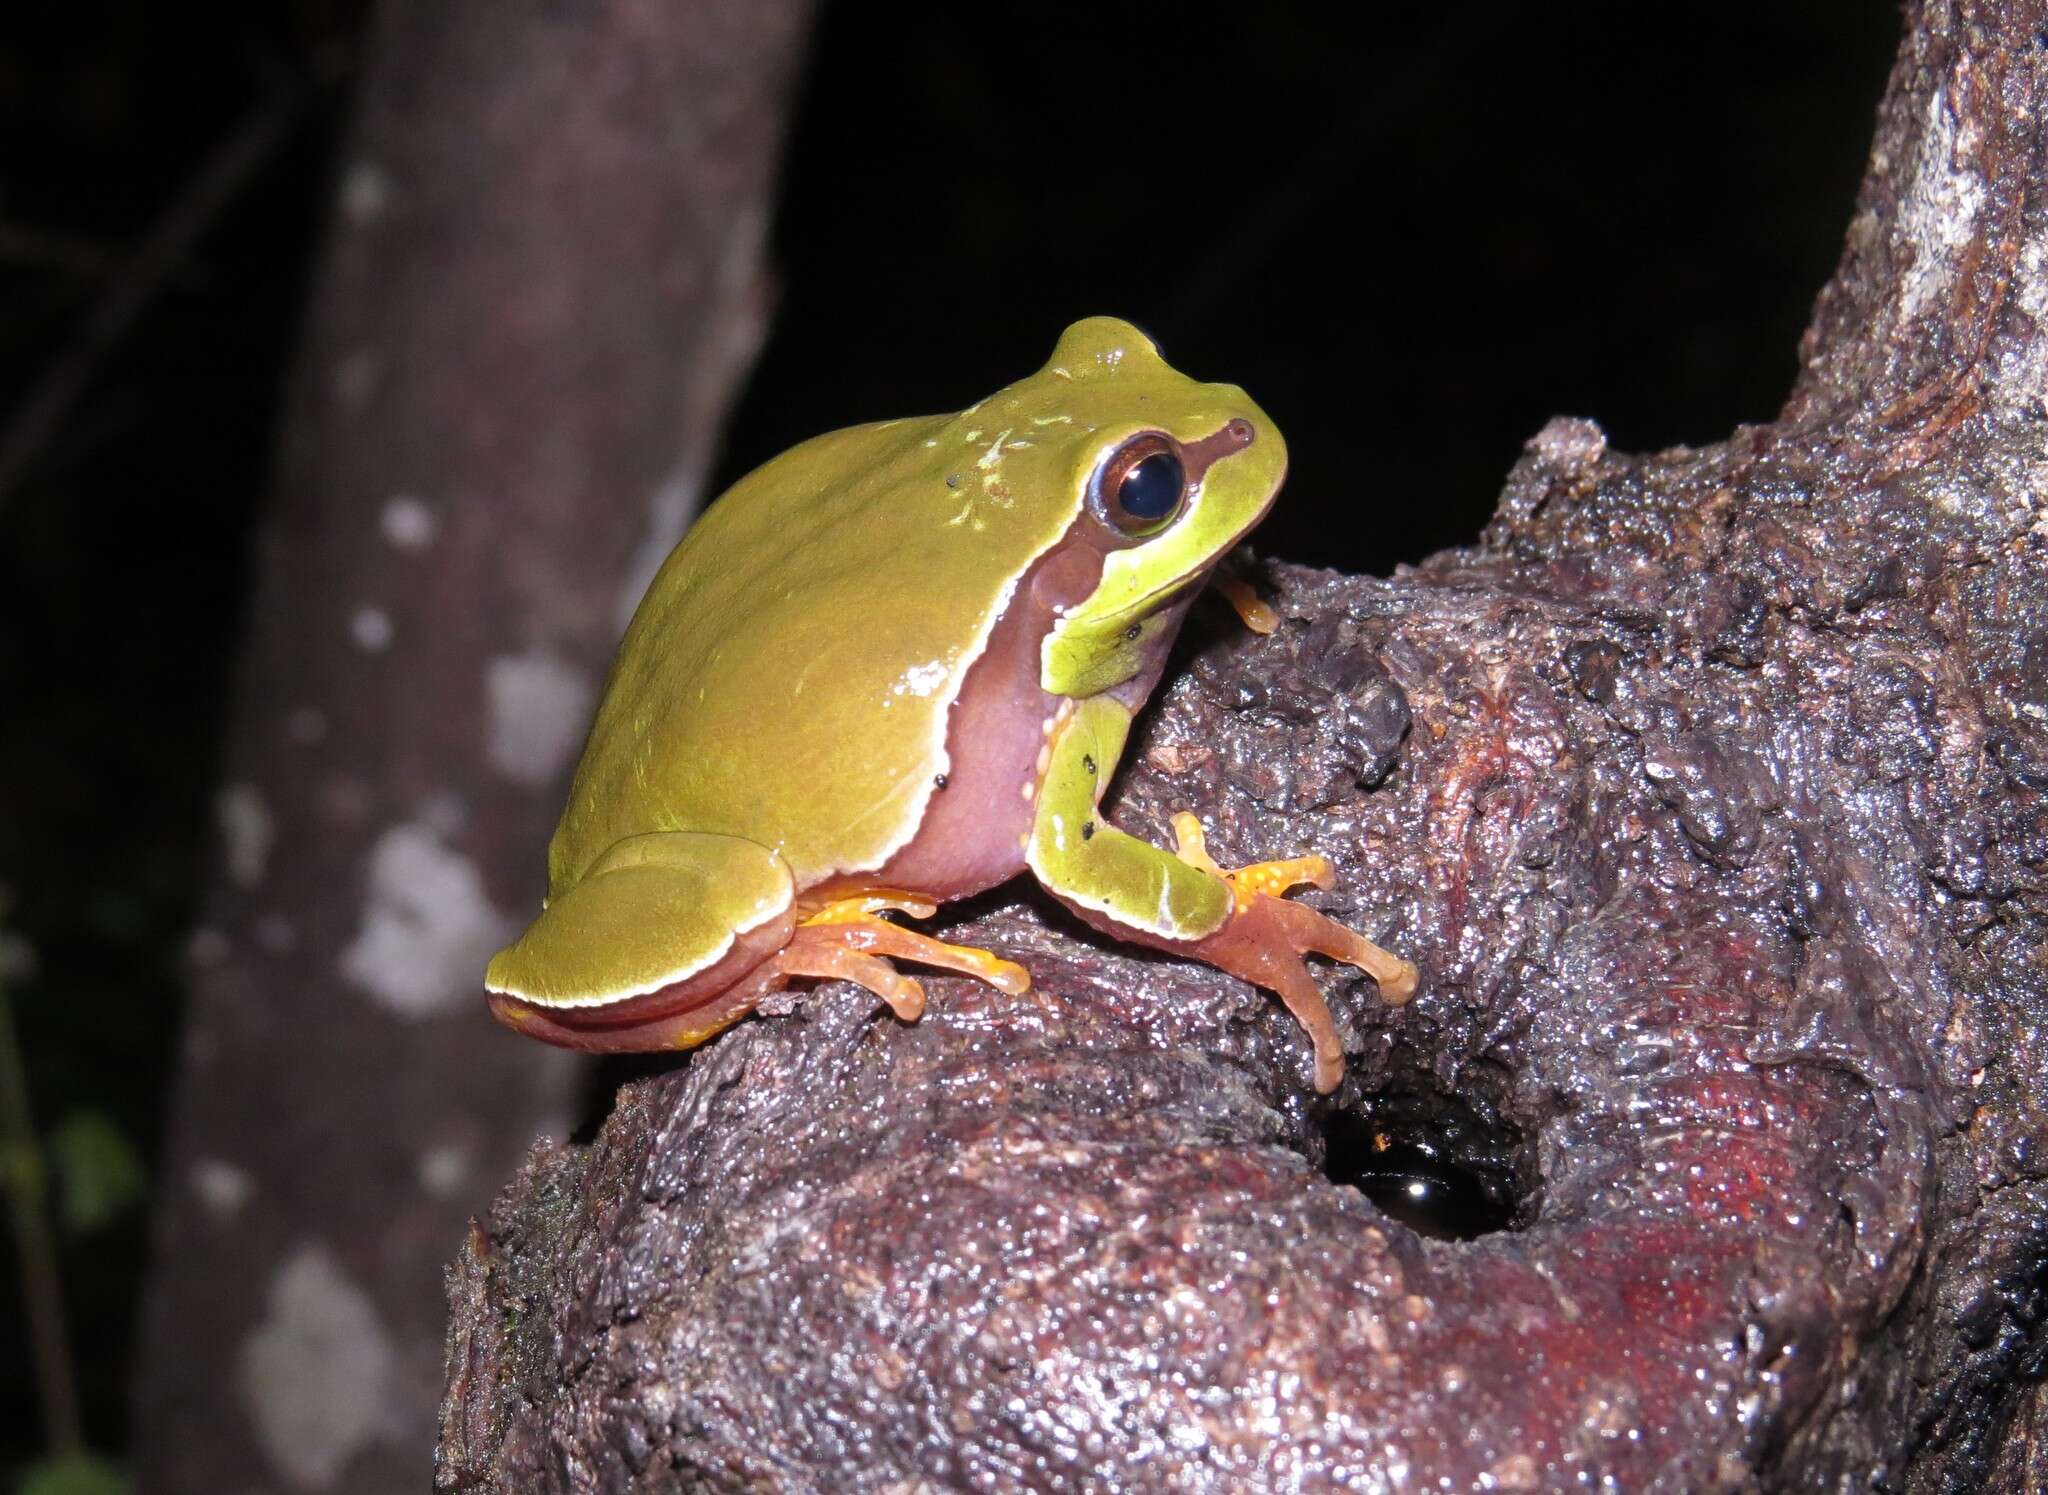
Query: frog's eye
x=1140 y=486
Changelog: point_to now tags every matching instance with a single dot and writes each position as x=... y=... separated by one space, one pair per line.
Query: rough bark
x=1710 y=789
x=541 y=288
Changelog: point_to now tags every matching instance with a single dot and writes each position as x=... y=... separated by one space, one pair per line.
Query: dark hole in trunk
x=1449 y=1167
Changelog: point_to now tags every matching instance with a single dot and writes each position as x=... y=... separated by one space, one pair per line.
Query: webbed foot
x=1266 y=936
x=847 y=939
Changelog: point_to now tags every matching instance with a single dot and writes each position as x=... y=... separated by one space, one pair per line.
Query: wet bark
x=542 y=286
x=1710 y=790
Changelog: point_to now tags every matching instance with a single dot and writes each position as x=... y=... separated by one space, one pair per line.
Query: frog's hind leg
x=680 y=1017
x=829 y=960
x=659 y=945
x=847 y=938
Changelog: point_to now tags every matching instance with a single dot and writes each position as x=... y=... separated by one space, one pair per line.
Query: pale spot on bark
x=371 y=628
x=1940 y=211
x=427 y=927
x=306 y=726
x=248 y=829
x=444 y=814
x=275 y=935
x=17 y=957
x=539 y=711
x=408 y=523
x=365 y=192
x=443 y=1170
x=221 y=1186
x=316 y=1375
x=355 y=377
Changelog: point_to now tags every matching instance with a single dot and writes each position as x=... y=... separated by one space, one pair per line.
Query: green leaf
x=98 y=1173
x=80 y=1474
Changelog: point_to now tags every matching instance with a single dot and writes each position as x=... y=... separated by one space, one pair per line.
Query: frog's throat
x=970 y=836
x=939 y=761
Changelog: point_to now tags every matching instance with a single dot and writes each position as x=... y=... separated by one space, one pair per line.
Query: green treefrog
x=895 y=666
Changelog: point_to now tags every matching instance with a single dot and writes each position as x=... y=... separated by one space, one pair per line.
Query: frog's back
x=788 y=674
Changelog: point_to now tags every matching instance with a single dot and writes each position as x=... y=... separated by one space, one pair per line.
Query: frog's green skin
x=902 y=656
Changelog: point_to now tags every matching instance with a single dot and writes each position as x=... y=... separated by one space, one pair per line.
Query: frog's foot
x=831 y=959
x=1265 y=937
x=846 y=940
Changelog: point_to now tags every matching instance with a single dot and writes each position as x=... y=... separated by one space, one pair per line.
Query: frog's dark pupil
x=1151 y=489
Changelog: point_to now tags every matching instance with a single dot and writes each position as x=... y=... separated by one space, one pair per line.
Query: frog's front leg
x=1183 y=902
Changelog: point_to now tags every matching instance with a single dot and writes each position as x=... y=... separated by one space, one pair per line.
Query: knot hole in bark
x=1444 y=1161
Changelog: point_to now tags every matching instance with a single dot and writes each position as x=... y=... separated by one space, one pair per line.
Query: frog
x=897 y=666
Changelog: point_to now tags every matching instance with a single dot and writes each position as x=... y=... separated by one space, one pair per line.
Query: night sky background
x=1412 y=232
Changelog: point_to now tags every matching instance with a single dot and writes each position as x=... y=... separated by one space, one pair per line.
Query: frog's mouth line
x=1162 y=597
x=1153 y=602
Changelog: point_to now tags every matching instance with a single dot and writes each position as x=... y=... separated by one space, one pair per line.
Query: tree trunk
x=542 y=287
x=1710 y=790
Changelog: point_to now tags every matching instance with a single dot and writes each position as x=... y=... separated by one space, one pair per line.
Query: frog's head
x=1170 y=474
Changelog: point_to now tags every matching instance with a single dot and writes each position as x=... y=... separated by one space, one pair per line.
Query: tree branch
x=1720 y=835
x=541 y=284
x=1935 y=309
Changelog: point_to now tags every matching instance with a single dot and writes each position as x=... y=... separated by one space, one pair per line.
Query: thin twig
x=42 y=1285
x=68 y=253
x=220 y=177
